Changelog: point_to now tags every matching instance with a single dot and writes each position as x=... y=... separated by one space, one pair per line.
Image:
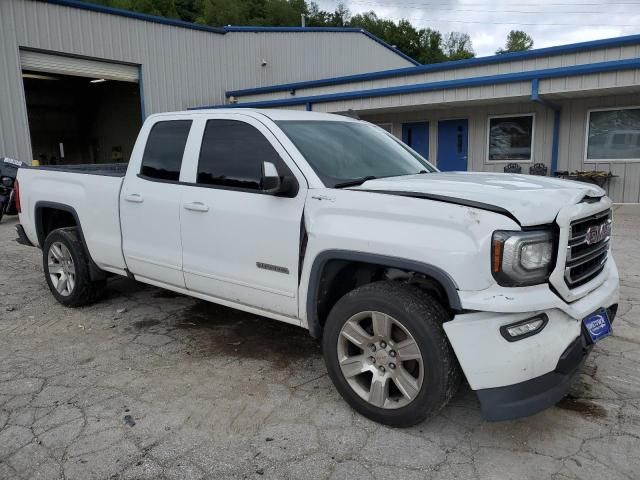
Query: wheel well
x=338 y=277
x=51 y=216
x=49 y=219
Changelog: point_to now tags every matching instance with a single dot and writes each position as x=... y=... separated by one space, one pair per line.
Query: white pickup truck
x=411 y=277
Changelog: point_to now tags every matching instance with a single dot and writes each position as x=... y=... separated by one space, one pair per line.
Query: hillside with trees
x=422 y=44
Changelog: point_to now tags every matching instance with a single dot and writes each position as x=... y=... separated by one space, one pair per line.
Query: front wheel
x=66 y=269
x=387 y=353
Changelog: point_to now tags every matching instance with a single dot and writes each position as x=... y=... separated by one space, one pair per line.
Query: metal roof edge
x=135 y=15
x=232 y=28
x=627 y=64
x=435 y=67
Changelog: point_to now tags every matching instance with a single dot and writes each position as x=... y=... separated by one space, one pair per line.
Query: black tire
x=422 y=316
x=85 y=291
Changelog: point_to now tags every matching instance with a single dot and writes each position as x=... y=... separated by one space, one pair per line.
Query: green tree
x=457 y=46
x=517 y=41
x=187 y=10
x=162 y=8
x=222 y=12
x=280 y=13
x=430 y=49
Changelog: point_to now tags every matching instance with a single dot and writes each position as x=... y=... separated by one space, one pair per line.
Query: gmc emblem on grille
x=597 y=233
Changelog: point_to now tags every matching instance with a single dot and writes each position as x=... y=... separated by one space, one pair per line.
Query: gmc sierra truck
x=412 y=278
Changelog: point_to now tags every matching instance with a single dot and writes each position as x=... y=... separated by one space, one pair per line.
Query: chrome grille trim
x=573 y=257
x=585 y=261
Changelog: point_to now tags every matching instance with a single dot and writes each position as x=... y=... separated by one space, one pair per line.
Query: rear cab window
x=162 y=157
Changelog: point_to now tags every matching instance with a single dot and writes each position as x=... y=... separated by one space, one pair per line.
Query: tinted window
x=232 y=154
x=165 y=146
x=343 y=151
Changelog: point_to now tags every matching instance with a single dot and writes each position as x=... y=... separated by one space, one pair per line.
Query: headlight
x=6 y=181
x=521 y=258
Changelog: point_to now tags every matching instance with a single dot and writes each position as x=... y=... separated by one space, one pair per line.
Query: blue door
x=416 y=135
x=453 y=145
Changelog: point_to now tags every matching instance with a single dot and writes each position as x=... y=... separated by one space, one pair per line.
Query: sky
x=548 y=22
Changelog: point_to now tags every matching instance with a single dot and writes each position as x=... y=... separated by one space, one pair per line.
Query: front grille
x=585 y=257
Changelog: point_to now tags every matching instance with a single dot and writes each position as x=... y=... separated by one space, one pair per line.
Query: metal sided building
x=78 y=79
x=572 y=108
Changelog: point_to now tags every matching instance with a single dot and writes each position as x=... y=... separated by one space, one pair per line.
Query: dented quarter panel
x=451 y=237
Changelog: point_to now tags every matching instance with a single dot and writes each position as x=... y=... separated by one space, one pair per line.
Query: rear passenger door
x=240 y=244
x=150 y=203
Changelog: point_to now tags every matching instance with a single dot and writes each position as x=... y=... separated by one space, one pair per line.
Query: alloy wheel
x=62 y=271
x=380 y=360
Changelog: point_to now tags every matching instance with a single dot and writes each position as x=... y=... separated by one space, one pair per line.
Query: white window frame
x=533 y=137
x=586 y=137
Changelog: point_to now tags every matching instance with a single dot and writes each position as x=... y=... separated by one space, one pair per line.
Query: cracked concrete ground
x=177 y=388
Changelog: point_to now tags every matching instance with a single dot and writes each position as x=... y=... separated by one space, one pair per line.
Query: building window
x=614 y=134
x=511 y=138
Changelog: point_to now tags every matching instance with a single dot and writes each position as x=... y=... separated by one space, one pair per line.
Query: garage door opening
x=80 y=111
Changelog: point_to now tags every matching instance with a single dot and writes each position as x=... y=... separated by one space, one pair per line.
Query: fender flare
x=313 y=291
x=94 y=271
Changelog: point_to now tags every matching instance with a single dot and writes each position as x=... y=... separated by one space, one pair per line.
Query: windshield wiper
x=354 y=182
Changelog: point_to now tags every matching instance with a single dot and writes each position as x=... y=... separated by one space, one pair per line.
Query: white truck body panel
x=247 y=250
x=95 y=200
x=219 y=235
x=533 y=200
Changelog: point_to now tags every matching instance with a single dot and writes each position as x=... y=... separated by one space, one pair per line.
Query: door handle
x=134 y=198
x=196 y=207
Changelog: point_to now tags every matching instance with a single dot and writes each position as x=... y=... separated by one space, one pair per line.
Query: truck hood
x=532 y=200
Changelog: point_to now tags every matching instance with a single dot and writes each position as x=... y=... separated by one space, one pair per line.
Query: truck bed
x=104 y=169
x=90 y=192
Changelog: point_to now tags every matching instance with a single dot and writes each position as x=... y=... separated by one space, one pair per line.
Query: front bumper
x=519 y=378
x=532 y=396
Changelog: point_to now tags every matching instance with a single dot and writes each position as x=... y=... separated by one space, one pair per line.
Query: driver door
x=240 y=244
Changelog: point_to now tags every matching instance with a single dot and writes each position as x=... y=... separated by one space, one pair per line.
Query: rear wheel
x=387 y=353
x=66 y=268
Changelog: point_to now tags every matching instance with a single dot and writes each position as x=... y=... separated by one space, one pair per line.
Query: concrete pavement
x=148 y=384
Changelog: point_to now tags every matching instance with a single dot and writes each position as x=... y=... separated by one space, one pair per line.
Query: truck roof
x=273 y=114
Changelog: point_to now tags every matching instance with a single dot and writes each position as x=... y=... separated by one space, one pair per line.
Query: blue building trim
x=135 y=15
x=535 y=95
x=555 y=143
x=219 y=30
x=232 y=28
x=437 y=67
x=390 y=47
x=444 y=85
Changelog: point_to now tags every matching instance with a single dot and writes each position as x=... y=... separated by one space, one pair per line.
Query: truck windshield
x=343 y=153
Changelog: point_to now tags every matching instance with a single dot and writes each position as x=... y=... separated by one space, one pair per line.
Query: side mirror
x=274 y=184
x=270 y=178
